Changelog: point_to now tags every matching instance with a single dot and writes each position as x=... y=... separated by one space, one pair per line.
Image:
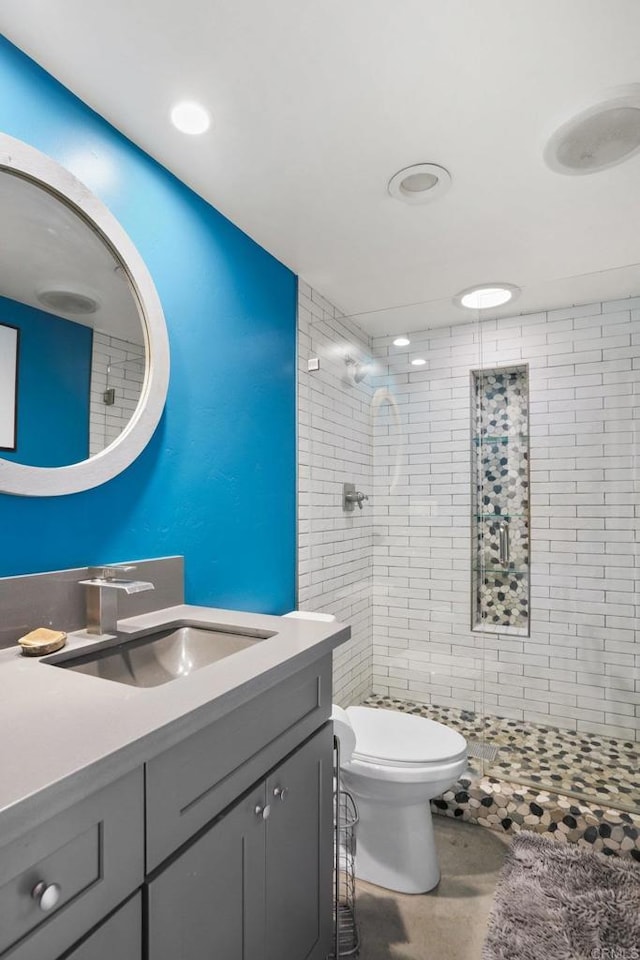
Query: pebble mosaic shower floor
x=536 y=779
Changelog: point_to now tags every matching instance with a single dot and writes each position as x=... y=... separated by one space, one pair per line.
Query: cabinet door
x=299 y=853
x=119 y=937
x=210 y=901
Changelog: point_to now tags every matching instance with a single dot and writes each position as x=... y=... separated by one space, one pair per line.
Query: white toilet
x=400 y=762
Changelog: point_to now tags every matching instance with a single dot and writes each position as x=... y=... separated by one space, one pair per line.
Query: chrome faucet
x=102 y=596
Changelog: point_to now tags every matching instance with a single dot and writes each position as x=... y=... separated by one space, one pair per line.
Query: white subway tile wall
x=126 y=376
x=335 y=549
x=580 y=668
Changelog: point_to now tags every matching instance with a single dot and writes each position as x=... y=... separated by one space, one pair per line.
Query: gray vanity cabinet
x=256 y=884
x=219 y=846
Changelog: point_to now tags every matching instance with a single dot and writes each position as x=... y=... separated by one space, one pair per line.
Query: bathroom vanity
x=187 y=819
x=165 y=804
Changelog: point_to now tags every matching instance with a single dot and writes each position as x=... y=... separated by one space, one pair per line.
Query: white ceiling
x=317 y=103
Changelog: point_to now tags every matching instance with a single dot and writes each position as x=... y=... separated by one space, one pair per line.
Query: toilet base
x=395 y=846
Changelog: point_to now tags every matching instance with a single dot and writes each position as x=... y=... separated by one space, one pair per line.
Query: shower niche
x=500 y=599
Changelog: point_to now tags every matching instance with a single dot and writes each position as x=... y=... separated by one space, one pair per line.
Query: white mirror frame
x=28 y=481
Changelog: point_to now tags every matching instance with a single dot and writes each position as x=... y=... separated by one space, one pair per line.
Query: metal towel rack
x=345 y=928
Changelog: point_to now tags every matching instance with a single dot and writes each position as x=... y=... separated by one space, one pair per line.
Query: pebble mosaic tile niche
x=500 y=481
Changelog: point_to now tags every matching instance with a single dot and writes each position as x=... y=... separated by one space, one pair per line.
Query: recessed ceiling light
x=190 y=117
x=401 y=342
x=418 y=362
x=489 y=295
x=419 y=183
x=595 y=139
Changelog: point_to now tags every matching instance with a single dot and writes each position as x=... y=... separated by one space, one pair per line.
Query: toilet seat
x=387 y=738
x=406 y=774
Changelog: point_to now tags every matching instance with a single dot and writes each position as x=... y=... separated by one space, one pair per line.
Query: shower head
x=355 y=371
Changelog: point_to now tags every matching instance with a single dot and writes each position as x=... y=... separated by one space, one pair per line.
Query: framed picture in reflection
x=9 y=346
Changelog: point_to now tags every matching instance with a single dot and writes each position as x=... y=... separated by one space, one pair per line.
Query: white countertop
x=65 y=734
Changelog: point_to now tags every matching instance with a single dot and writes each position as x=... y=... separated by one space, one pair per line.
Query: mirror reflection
x=72 y=343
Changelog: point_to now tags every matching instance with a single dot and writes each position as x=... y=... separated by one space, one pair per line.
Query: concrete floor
x=448 y=923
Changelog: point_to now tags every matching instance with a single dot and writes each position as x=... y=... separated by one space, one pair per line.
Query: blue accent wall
x=54 y=380
x=217 y=481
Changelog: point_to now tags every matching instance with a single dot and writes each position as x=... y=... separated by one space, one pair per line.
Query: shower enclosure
x=491 y=578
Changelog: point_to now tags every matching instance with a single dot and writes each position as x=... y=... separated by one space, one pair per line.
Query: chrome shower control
x=47 y=895
x=351 y=496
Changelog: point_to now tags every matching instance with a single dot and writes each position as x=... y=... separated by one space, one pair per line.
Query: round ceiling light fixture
x=190 y=117
x=68 y=301
x=487 y=296
x=418 y=362
x=420 y=183
x=597 y=138
x=401 y=342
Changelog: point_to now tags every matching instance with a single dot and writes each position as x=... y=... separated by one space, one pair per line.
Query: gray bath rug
x=556 y=901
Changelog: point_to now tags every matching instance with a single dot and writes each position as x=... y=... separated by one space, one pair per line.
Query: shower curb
x=509 y=807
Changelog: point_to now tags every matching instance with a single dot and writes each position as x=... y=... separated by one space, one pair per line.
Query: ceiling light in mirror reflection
x=62 y=301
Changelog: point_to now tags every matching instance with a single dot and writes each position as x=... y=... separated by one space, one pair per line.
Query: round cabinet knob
x=281 y=793
x=263 y=812
x=47 y=895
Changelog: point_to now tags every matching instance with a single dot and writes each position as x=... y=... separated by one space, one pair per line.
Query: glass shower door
x=562 y=681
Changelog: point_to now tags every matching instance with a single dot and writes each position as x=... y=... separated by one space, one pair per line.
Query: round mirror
x=84 y=359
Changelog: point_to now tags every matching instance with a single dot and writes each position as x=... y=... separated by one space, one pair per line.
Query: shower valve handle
x=351 y=496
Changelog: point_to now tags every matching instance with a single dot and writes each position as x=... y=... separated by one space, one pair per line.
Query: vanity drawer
x=190 y=784
x=118 y=938
x=93 y=852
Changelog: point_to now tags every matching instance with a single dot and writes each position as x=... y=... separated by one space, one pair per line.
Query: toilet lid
x=387 y=736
